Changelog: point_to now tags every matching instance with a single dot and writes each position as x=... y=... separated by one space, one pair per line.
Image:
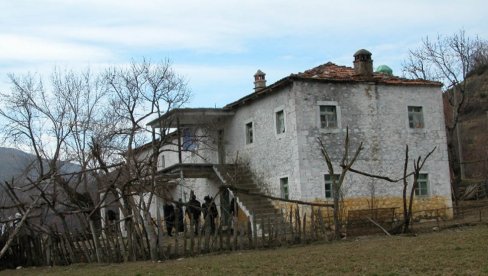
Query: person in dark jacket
x=169 y=217
x=179 y=208
x=193 y=210
x=210 y=213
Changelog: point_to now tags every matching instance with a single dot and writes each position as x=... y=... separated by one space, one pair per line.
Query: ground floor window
x=329 y=189
x=422 y=188
x=284 y=187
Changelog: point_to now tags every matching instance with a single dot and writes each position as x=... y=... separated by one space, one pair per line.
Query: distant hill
x=13 y=163
x=17 y=164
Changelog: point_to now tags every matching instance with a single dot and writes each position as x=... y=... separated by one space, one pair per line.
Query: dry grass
x=456 y=251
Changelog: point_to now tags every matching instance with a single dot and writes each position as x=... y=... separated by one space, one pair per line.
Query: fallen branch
x=379 y=226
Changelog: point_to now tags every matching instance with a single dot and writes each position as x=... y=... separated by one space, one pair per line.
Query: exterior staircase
x=244 y=187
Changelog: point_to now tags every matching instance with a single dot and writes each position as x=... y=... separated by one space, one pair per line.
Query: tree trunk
x=151 y=235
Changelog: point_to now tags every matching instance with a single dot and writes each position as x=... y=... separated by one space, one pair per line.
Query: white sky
x=219 y=45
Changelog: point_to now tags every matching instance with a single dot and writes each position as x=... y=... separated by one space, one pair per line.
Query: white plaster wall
x=270 y=156
x=377 y=116
x=205 y=152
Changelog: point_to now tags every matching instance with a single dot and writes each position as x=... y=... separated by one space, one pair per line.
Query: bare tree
x=346 y=164
x=449 y=60
x=41 y=118
x=418 y=164
x=337 y=184
x=92 y=121
x=140 y=92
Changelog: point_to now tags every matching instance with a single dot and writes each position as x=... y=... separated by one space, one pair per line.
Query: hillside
x=16 y=165
x=474 y=125
x=13 y=163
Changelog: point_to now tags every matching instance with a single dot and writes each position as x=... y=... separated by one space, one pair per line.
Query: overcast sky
x=218 y=45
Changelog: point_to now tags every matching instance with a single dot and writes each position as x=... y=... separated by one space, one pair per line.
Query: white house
x=275 y=129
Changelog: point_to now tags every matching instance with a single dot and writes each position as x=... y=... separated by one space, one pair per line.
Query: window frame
x=276 y=111
x=413 y=117
x=249 y=140
x=161 y=162
x=285 y=193
x=189 y=142
x=337 y=113
x=422 y=191
x=330 y=183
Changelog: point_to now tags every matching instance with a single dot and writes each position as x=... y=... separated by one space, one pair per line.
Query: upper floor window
x=189 y=141
x=328 y=116
x=284 y=187
x=280 y=122
x=422 y=188
x=249 y=133
x=415 y=117
x=161 y=162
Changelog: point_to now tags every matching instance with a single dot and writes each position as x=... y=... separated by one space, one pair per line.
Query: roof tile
x=333 y=72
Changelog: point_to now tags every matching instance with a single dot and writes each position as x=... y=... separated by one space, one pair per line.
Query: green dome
x=384 y=69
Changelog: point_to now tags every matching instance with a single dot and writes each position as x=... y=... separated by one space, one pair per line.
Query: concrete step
x=262 y=208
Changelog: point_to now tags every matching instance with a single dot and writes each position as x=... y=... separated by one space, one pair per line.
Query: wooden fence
x=300 y=225
x=112 y=245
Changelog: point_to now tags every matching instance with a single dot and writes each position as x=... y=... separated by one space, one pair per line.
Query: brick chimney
x=363 y=64
x=259 y=80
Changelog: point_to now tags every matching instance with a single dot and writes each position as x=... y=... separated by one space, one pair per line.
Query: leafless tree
x=418 y=164
x=347 y=163
x=449 y=60
x=42 y=118
x=140 y=92
x=94 y=121
x=337 y=184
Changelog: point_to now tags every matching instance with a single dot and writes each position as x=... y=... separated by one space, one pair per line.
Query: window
x=189 y=142
x=284 y=187
x=249 y=133
x=328 y=116
x=422 y=188
x=415 y=117
x=329 y=189
x=161 y=162
x=280 y=122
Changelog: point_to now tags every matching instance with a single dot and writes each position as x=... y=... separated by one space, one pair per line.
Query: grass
x=450 y=252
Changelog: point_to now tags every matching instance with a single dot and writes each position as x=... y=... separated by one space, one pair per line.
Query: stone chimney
x=363 y=64
x=259 y=80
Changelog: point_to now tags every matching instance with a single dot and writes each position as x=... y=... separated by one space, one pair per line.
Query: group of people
x=193 y=210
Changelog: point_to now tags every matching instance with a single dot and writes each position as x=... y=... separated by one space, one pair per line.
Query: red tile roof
x=333 y=72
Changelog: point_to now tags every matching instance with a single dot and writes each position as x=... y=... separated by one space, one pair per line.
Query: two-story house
x=274 y=131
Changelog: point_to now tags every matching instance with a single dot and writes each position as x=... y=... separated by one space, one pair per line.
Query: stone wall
x=377 y=116
x=271 y=156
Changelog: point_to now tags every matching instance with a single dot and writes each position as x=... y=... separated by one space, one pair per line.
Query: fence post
x=249 y=232
x=96 y=241
x=254 y=231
